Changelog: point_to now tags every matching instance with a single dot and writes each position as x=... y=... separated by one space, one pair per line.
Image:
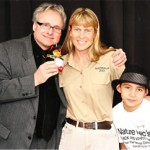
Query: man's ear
x=34 y=26
x=118 y=87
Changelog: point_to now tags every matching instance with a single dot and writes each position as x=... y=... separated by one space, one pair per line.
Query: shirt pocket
x=100 y=78
x=4 y=132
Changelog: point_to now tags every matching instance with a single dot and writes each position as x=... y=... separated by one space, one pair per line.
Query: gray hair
x=50 y=6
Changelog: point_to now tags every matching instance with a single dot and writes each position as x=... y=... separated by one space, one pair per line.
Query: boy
x=131 y=115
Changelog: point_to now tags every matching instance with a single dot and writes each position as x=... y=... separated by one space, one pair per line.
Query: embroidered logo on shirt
x=101 y=69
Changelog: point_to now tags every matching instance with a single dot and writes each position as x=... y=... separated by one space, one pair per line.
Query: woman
x=86 y=81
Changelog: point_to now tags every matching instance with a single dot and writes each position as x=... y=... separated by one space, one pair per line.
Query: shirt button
x=29 y=137
x=105 y=116
x=34 y=117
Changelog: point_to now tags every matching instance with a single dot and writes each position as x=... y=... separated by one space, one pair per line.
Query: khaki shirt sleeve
x=115 y=70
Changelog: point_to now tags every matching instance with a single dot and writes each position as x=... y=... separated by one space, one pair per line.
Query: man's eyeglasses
x=47 y=26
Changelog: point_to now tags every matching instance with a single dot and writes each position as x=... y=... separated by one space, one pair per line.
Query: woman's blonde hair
x=87 y=18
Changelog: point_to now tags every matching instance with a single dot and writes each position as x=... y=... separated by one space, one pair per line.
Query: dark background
x=123 y=23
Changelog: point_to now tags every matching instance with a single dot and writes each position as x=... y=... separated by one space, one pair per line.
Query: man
x=29 y=91
x=29 y=101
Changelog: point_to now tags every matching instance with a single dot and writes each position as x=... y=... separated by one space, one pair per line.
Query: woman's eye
x=77 y=29
x=87 y=30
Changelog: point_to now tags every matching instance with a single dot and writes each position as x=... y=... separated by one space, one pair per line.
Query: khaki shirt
x=88 y=92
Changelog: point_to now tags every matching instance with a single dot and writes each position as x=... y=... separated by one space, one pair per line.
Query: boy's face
x=132 y=95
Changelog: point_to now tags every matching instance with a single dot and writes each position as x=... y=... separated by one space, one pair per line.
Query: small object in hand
x=60 y=69
x=57 y=53
x=60 y=64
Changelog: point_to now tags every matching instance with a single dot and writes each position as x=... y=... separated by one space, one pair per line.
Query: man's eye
x=57 y=28
x=46 y=25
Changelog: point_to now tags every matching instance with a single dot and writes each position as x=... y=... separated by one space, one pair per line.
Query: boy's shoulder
x=118 y=106
x=146 y=103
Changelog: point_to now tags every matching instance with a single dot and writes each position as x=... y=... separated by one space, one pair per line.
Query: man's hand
x=45 y=71
x=119 y=57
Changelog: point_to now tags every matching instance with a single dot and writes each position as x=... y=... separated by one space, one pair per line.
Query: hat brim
x=114 y=83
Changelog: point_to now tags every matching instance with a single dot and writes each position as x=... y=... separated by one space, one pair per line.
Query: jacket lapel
x=60 y=92
x=29 y=66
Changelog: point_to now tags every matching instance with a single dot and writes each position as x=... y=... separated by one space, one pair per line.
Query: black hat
x=133 y=74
